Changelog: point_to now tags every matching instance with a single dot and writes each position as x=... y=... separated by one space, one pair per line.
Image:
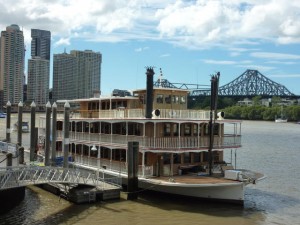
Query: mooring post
x=32 y=131
x=66 y=140
x=132 y=185
x=9 y=159
x=21 y=155
x=53 y=141
x=20 y=122
x=35 y=141
x=8 y=115
x=47 y=135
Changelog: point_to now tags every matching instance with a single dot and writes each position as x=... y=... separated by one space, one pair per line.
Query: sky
x=190 y=40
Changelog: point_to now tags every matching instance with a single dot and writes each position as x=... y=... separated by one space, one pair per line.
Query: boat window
x=175 y=99
x=142 y=99
x=167 y=129
x=216 y=129
x=205 y=156
x=175 y=129
x=187 y=157
x=177 y=158
x=182 y=99
x=168 y=99
x=105 y=153
x=166 y=157
x=159 y=99
x=187 y=129
x=206 y=129
x=195 y=129
x=197 y=157
x=95 y=105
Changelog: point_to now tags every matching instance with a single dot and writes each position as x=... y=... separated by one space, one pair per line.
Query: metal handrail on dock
x=11 y=177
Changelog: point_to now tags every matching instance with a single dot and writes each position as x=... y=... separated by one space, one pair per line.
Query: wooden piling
x=66 y=140
x=132 y=185
x=54 y=128
x=9 y=159
x=21 y=155
x=8 y=116
x=32 y=131
x=47 y=135
x=20 y=122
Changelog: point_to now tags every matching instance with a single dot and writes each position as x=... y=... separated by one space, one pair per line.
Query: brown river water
x=268 y=147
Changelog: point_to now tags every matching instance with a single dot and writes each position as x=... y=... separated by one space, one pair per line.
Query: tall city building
x=12 y=53
x=76 y=75
x=38 y=81
x=40 y=43
x=64 y=76
x=39 y=68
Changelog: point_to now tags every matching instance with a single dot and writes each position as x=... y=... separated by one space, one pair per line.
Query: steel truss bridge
x=12 y=177
x=250 y=83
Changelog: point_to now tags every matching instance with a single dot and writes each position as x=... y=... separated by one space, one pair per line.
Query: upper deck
x=167 y=103
x=123 y=113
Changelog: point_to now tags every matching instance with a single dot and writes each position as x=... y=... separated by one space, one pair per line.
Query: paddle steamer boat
x=174 y=142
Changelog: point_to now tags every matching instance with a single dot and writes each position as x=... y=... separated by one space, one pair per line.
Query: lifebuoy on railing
x=156 y=113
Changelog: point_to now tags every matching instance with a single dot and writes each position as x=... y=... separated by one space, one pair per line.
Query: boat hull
x=281 y=121
x=231 y=192
x=225 y=192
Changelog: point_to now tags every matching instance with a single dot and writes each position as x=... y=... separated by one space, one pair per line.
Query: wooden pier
x=83 y=194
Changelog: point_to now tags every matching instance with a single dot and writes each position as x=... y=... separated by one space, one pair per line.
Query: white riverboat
x=174 y=143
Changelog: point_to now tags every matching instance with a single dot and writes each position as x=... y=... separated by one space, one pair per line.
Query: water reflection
x=267 y=148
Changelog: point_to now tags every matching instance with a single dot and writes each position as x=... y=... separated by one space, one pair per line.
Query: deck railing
x=118 y=167
x=173 y=143
x=139 y=113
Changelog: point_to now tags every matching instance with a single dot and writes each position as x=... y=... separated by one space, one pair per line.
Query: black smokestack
x=149 y=92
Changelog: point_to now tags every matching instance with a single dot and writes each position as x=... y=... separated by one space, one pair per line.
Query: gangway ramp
x=12 y=177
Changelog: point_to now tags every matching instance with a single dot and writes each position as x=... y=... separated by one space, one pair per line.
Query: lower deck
x=196 y=179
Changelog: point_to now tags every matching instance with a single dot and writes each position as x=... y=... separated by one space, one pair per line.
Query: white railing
x=180 y=143
x=140 y=113
x=116 y=166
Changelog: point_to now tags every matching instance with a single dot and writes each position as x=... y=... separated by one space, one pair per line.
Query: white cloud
x=274 y=55
x=165 y=55
x=282 y=62
x=231 y=21
x=286 y=75
x=219 y=62
x=191 y=24
x=62 y=41
x=257 y=67
x=141 y=49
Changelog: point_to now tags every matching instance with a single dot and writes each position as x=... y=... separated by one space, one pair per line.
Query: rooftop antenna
x=65 y=50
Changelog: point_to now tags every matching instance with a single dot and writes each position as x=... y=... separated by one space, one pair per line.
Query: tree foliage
x=258 y=112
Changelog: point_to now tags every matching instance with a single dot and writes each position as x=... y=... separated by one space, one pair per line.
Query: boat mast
x=213 y=112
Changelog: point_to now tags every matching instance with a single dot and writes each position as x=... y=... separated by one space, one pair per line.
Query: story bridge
x=250 y=83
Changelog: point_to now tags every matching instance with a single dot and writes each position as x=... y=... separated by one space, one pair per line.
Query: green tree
x=256 y=100
x=275 y=100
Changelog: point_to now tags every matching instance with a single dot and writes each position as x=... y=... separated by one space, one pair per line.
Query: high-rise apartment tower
x=12 y=53
x=39 y=68
x=40 y=43
x=76 y=75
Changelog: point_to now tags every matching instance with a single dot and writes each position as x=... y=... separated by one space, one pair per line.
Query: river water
x=268 y=147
